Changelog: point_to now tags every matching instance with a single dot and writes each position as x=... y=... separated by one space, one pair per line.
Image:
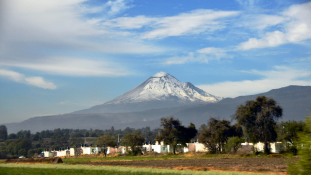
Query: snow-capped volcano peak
x=160 y=74
x=163 y=86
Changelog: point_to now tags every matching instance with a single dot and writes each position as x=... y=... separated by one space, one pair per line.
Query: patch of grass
x=37 y=171
x=84 y=169
x=149 y=157
x=83 y=159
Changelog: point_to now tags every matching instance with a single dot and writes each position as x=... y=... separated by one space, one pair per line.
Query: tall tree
x=288 y=131
x=216 y=133
x=174 y=133
x=134 y=142
x=106 y=141
x=258 y=120
x=3 y=132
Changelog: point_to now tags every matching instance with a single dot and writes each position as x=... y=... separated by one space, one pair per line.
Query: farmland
x=189 y=163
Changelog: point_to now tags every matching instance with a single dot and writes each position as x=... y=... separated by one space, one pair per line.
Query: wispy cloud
x=297 y=29
x=21 y=78
x=262 y=21
x=189 y=23
x=32 y=31
x=280 y=77
x=193 y=22
x=202 y=56
x=117 y=6
x=136 y=22
x=72 y=67
x=111 y=7
x=247 y=2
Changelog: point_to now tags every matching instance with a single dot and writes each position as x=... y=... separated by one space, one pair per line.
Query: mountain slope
x=161 y=90
x=295 y=101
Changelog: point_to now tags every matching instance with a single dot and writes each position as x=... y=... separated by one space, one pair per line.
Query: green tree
x=36 y=137
x=215 y=134
x=173 y=133
x=12 y=136
x=22 y=152
x=106 y=140
x=288 y=133
x=74 y=141
x=303 y=166
x=258 y=120
x=134 y=142
x=233 y=144
x=59 y=140
x=3 y=133
x=24 y=144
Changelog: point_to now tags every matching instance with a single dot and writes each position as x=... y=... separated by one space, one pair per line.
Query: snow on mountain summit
x=163 y=86
x=160 y=74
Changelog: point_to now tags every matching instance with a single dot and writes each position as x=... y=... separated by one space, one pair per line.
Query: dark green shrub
x=233 y=144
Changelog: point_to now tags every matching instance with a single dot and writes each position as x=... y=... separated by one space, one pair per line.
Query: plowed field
x=237 y=164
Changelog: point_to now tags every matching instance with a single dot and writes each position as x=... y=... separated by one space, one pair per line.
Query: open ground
x=200 y=163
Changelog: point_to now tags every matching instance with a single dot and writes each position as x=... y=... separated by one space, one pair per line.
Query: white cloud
x=202 y=56
x=180 y=59
x=130 y=22
x=72 y=67
x=271 y=39
x=247 y=2
x=297 y=29
x=117 y=6
x=217 y=52
x=193 y=22
x=111 y=7
x=40 y=82
x=32 y=31
x=20 y=78
x=280 y=77
x=61 y=24
x=263 y=21
x=15 y=76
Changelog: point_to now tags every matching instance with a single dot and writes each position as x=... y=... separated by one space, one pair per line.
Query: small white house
x=91 y=150
x=199 y=147
x=66 y=152
x=275 y=147
x=159 y=148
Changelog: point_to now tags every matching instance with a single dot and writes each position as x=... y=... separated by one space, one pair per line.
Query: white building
x=275 y=147
x=60 y=153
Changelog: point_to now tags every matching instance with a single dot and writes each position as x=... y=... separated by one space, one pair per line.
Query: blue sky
x=61 y=56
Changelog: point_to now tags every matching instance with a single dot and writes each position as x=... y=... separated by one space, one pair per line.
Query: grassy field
x=73 y=165
x=84 y=169
x=153 y=157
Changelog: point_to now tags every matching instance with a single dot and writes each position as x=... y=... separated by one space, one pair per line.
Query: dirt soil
x=235 y=164
x=38 y=160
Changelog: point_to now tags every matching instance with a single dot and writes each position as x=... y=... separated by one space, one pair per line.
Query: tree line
x=254 y=121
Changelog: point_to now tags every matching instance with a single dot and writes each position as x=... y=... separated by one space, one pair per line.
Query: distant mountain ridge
x=295 y=101
x=161 y=90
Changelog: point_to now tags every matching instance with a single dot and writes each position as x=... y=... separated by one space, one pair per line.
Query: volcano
x=161 y=90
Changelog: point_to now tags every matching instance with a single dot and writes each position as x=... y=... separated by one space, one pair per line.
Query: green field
x=158 y=157
x=70 y=165
x=32 y=169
